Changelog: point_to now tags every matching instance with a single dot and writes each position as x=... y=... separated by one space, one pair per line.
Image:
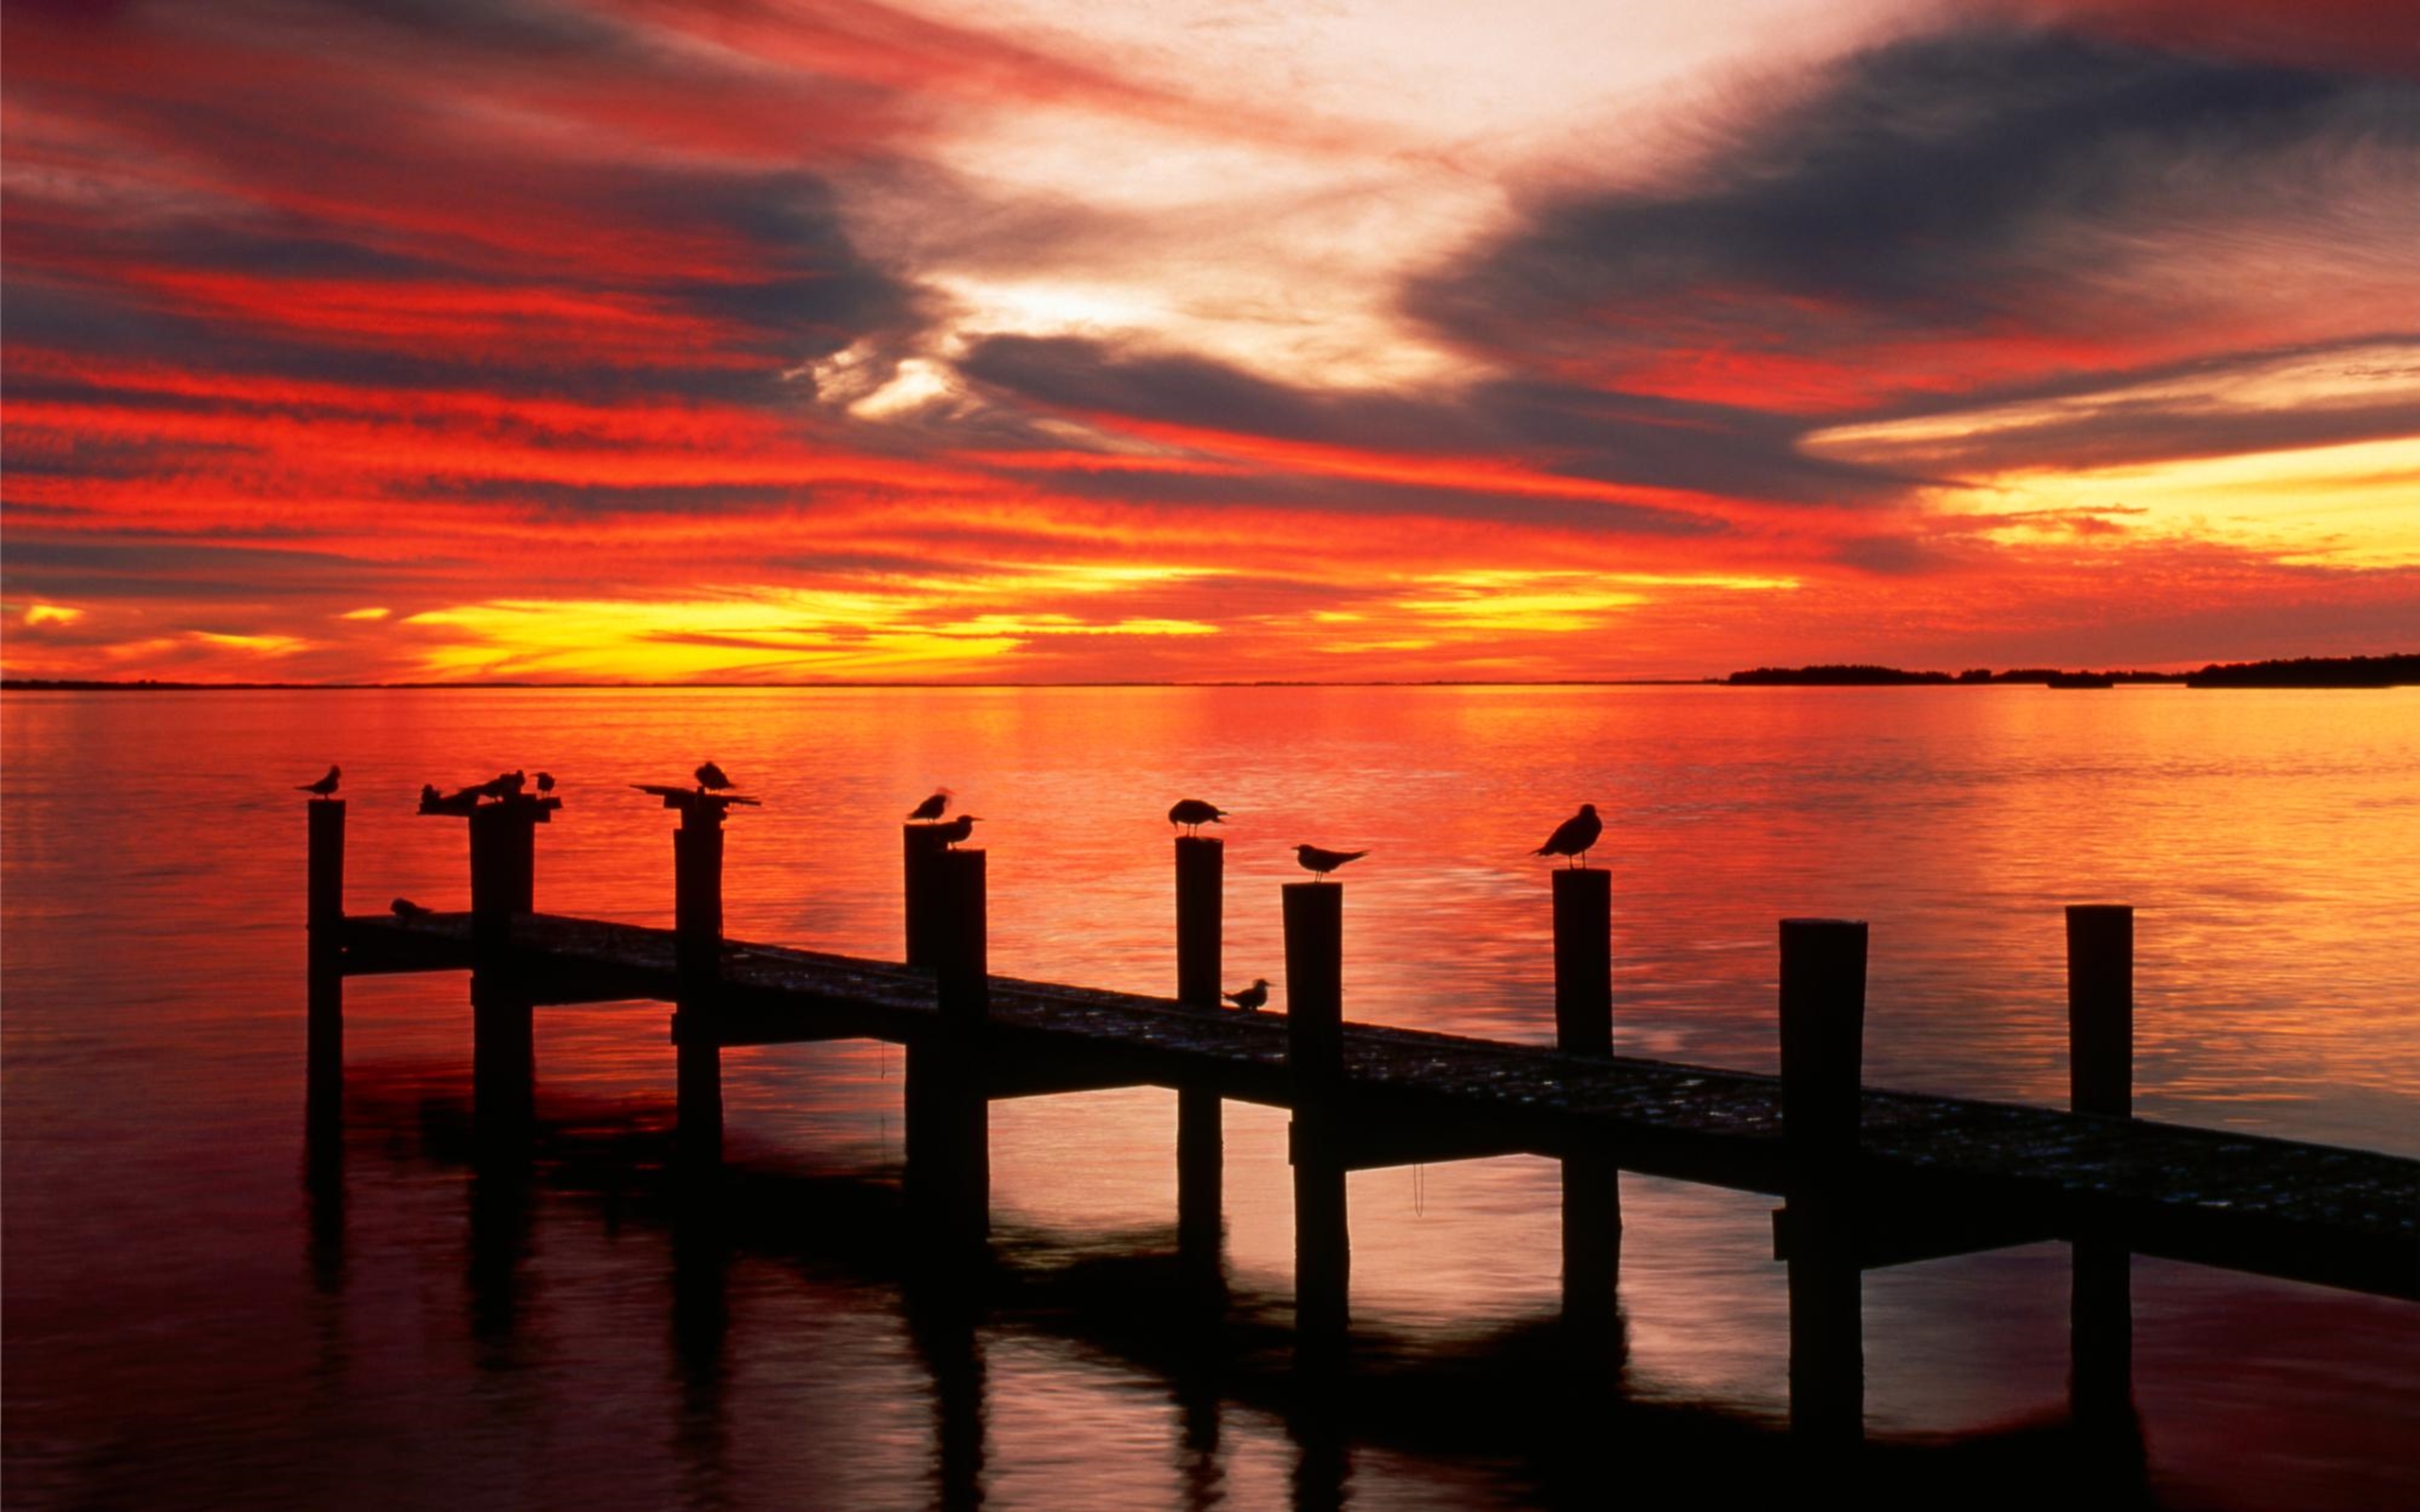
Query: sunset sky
x=1055 y=339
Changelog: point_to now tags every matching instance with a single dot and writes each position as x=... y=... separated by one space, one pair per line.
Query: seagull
x=1251 y=998
x=710 y=778
x=1323 y=862
x=324 y=787
x=931 y=808
x=502 y=785
x=1574 y=836
x=430 y=798
x=546 y=782
x=406 y=908
x=1193 y=814
x=956 y=829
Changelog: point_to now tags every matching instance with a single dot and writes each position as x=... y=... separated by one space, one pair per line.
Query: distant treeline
x=2302 y=672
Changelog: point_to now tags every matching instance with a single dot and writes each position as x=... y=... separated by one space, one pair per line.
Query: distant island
x=2394 y=671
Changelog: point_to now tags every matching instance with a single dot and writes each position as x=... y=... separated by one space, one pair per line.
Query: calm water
x=200 y=1312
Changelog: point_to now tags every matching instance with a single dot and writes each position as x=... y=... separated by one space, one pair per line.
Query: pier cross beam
x=1314 y=915
x=1822 y=1024
x=1201 y=904
x=1584 y=1024
x=2100 y=1074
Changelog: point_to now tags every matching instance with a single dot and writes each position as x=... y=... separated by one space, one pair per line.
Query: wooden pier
x=1869 y=1178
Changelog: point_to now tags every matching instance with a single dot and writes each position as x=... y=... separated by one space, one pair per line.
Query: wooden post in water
x=919 y=845
x=696 y=947
x=503 y=883
x=2100 y=1075
x=324 y=895
x=1584 y=1024
x=1315 y=1057
x=949 y=1155
x=1200 y=920
x=1823 y=1024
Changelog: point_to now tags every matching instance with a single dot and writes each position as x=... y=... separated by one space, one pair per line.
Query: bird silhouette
x=931 y=808
x=1322 y=862
x=1193 y=814
x=1252 y=998
x=406 y=908
x=956 y=829
x=546 y=782
x=1574 y=836
x=324 y=787
x=503 y=785
x=710 y=778
x=430 y=798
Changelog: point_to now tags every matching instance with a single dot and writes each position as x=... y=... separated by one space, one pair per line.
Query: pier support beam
x=503 y=883
x=949 y=1148
x=1822 y=1024
x=1315 y=1055
x=697 y=928
x=2100 y=1074
x=919 y=845
x=325 y=914
x=1201 y=1156
x=1584 y=1025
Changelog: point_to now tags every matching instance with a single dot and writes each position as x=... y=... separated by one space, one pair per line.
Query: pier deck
x=1936 y=1175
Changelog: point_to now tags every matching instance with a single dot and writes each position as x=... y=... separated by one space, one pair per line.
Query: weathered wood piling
x=1822 y=1027
x=1584 y=1025
x=1200 y=1155
x=2101 y=1076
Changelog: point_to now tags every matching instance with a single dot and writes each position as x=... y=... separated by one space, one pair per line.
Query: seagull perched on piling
x=1251 y=998
x=546 y=782
x=956 y=829
x=325 y=786
x=1193 y=814
x=1322 y=862
x=406 y=909
x=710 y=778
x=931 y=808
x=1574 y=836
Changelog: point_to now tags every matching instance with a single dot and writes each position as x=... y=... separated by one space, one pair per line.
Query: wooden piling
x=2100 y=1072
x=324 y=986
x=1822 y=1018
x=949 y=1156
x=503 y=862
x=503 y=1027
x=1584 y=1024
x=697 y=944
x=919 y=844
x=1314 y=915
x=1201 y=1155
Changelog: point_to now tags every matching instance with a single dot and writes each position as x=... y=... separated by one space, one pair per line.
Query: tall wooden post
x=503 y=873
x=919 y=845
x=697 y=946
x=1584 y=1024
x=949 y=1156
x=1823 y=1022
x=1314 y=913
x=1201 y=905
x=2101 y=1073
x=324 y=915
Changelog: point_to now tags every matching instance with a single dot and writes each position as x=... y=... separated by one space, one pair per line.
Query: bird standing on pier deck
x=931 y=808
x=956 y=829
x=1574 y=836
x=324 y=787
x=406 y=908
x=1193 y=814
x=710 y=778
x=1252 y=998
x=1322 y=862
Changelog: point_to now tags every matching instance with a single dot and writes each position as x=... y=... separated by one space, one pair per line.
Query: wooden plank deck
x=2305 y=1212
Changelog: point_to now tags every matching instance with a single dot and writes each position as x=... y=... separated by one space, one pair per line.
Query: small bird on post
x=956 y=829
x=406 y=909
x=325 y=786
x=546 y=782
x=1193 y=814
x=931 y=808
x=711 y=778
x=1574 y=836
x=1252 y=998
x=1322 y=862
